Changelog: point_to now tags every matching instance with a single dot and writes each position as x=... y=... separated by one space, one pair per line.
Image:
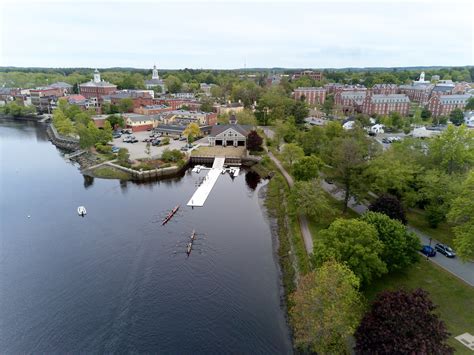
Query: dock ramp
x=200 y=195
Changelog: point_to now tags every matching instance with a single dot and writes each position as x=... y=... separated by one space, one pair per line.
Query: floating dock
x=200 y=196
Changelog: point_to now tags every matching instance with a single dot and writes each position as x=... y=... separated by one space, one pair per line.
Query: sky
x=228 y=35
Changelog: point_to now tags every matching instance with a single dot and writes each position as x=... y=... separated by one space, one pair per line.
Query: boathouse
x=228 y=135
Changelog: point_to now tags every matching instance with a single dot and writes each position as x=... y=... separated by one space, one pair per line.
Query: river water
x=118 y=281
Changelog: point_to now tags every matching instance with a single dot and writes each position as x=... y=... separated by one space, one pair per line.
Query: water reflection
x=252 y=179
x=88 y=181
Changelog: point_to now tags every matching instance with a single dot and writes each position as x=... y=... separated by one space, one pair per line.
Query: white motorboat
x=81 y=211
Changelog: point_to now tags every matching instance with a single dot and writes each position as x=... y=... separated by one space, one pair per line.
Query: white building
x=155 y=81
x=229 y=135
x=377 y=128
x=469 y=119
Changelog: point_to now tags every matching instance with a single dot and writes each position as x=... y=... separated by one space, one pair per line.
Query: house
x=139 y=122
x=315 y=75
x=229 y=108
x=422 y=132
x=469 y=119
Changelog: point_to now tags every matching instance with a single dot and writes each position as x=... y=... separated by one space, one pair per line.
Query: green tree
x=246 y=117
x=299 y=110
x=105 y=134
x=425 y=114
x=308 y=198
x=354 y=243
x=462 y=213
x=328 y=105
x=116 y=121
x=314 y=141
x=173 y=84
x=453 y=150
x=348 y=159
x=291 y=152
x=327 y=309
x=171 y=155
x=456 y=117
x=470 y=104
x=206 y=105
x=62 y=123
x=307 y=168
x=125 y=105
x=123 y=156
x=400 y=246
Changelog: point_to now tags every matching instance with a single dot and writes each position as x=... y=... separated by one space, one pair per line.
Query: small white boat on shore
x=81 y=211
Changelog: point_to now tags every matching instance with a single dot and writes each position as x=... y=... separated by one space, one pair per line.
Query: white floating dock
x=204 y=190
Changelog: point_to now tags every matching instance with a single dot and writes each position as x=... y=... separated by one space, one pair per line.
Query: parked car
x=116 y=134
x=445 y=250
x=127 y=139
x=146 y=140
x=428 y=251
x=183 y=138
x=115 y=149
x=127 y=131
x=133 y=140
x=155 y=142
x=184 y=149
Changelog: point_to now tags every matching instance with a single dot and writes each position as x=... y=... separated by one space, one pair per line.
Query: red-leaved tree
x=401 y=322
x=254 y=141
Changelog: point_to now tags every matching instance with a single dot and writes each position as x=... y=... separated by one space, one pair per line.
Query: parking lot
x=137 y=150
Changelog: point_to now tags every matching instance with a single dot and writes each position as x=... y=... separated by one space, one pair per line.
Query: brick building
x=417 y=93
x=385 y=104
x=442 y=105
x=311 y=95
x=148 y=110
x=385 y=89
x=315 y=75
x=350 y=101
x=97 y=88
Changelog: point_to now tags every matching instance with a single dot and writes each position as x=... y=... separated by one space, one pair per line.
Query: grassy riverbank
x=106 y=172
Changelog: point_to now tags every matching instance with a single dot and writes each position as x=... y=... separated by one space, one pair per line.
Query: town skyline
x=234 y=35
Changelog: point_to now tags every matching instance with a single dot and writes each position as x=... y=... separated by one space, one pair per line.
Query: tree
x=307 y=168
x=308 y=198
x=116 y=121
x=299 y=111
x=328 y=105
x=348 y=160
x=123 y=156
x=254 y=141
x=105 y=134
x=462 y=213
x=390 y=206
x=88 y=135
x=354 y=243
x=327 y=309
x=470 y=104
x=62 y=123
x=246 y=117
x=206 y=105
x=425 y=114
x=314 y=141
x=456 y=117
x=402 y=322
x=400 y=246
x=148 y=149
x=291 y=152
x=173 y=83
x=392 y=173
x=192 y=131
x=125 y=105
x=453 y=150
x=171 y=155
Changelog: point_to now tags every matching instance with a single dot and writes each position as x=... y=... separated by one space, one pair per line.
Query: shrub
x=104 y=149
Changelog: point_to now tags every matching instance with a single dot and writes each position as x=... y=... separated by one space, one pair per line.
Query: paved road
x=464 y=271
x=307 y=238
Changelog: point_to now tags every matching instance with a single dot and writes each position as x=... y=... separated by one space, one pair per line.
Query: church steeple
x=154 y=74
x=96 y=76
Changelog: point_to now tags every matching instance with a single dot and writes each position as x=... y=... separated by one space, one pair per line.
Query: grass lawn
x=105 y=172
x=454 y=298
x=443 y=233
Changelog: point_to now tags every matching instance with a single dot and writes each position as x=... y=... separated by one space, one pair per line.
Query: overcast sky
x=231 y=35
